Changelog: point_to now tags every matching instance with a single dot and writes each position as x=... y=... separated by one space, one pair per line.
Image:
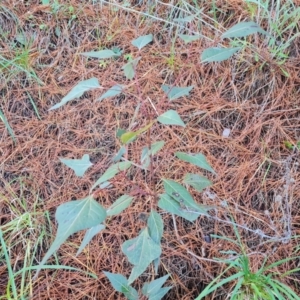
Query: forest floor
x=243 y=114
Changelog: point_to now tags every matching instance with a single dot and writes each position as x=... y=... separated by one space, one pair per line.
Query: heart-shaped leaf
x=140 y=251
x=168 y=204
x=170 y=117
x=111 y=172
x=103 y=54
x=90 y=233
x=113 y=91
x=129 y=68
x=142 y=41
x=198 y=182
x=119 y=205
x=196 y=159
x=216 y=54
x=189 y=38
x=242 y=29
x=79 y=166
x=154 y=286
x=160 y=294
x=72 y=217
x=118 y=281
x=184 y=198
x=175 y=92
x=77 y=91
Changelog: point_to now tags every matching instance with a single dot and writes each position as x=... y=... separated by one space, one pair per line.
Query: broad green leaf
x=6 y=124
x=113 y=91
x=242 y=29
x=120 y=153
x=154 y=286
x=90 y=233
x=119 y=205
x=130 y=293
x=197 y=159
x=142 y=41
x=170 y=205
x=118 y=281
x=145 y=157
x=175 y=92
x=159 y=295
x=216 y=54
x=155 y=226
x=184 y=198
x=101 y=54
x=140 y=251
x=129 y=136
x=72 y=217
x=77 y=91
x=112 y=171
x=129 y=68
x=189 y=38
x=79 y=166
x=198 y=182
x=170 y=117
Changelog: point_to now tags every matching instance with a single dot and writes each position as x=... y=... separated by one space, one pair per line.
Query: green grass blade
x=286 y=290
x=210 y=288
x=277 y=263
x=9 y=268
x=9 y=129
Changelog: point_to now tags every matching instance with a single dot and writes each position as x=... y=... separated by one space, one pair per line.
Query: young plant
x=259 y=285
x=88 y=214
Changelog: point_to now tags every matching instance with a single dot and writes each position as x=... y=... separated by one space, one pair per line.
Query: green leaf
x=181 y=195
x=119 y=205
x=170 y=117
x=113 y=91
x=145 y=157
x=175 y=92
x=154 y=286
x=101 y=54
x=242 y=29
x=129 y=68
x=90 y=233
x=217 y=54
x=120 y=132
x=155 y=226
x=72 y=217
x=6 y=124
x=112 y=171
x=189 y=38
x=77 y=91
x=159 y=295
x=142 y=41
x=79 y=166
x=118 y=281
x=120 y=153
x=197 y=159
x=130 y=293
x=129 y=136
x=170 y=205
x=140 y=251
x=198 y=182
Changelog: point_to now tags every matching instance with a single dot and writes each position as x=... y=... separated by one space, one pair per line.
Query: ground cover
x=243 y=114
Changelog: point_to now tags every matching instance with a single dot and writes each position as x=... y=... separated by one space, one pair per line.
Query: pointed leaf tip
x=79 y=166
